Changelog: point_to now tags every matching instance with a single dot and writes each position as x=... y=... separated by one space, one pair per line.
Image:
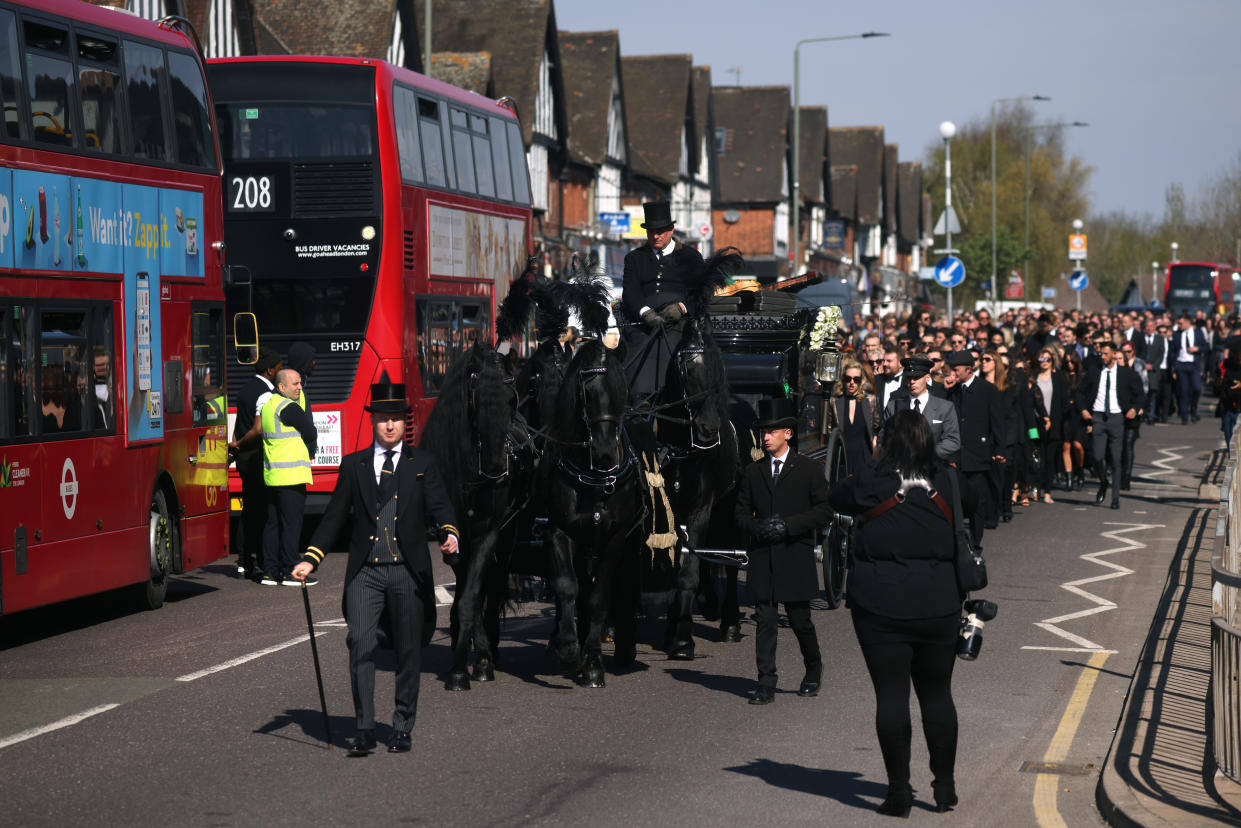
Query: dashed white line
x=56 y=725
x=234 y=662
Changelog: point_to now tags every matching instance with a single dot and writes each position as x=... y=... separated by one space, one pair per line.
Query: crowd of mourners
x=1039 y=362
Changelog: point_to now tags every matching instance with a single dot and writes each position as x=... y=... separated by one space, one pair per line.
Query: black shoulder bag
x=971 y=568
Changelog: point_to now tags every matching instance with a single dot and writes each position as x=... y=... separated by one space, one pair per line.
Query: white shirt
x=970 y=381
x=1163 y=362
x=893 y=385
x=783 y=459
x=1113 y=403
x=265 y=396
x=1187 y=342
x=926 y=395
x=378 y=461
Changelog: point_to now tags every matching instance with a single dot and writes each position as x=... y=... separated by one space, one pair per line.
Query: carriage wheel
x=836 y=544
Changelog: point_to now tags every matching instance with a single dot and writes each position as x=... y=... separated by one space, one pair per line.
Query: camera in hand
x=977 y=613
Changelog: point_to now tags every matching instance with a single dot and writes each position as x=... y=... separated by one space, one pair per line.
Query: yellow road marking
x=1047 y=785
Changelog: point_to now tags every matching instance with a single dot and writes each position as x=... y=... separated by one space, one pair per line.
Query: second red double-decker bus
x=372 y=213
x=1190 y=287
x=112 y=415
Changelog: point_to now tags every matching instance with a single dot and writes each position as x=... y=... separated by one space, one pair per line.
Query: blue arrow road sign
x=1078 y=280
x=949 y=272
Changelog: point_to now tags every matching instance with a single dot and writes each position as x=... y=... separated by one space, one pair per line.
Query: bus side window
x=191 y=122
x=144 y=82
x=405 y=109
x=207 y=342
x=482 y=156
x=101 y=399
x=10 y=74
x=101 y=109
x=517 y=157
x=49 y=84
x=463 y=153
x=63 y=374
x=432 y=145
x=499 y=154
x=16 y=332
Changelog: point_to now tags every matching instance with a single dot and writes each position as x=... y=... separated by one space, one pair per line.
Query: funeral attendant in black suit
x=386 y=494
x=1108 y=396
x=254 y=494
x=781 y=501
x=659 y=276
x=981 y=415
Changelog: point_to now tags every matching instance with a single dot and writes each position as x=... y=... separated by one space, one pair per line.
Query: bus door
x=21 y=468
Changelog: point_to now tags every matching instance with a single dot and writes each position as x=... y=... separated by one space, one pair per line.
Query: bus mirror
x=246 y=338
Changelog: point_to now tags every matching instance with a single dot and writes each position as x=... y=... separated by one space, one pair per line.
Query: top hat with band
x=388 y=398
x=657 y=215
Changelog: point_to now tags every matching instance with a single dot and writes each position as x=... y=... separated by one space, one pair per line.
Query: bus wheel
x=162 y=545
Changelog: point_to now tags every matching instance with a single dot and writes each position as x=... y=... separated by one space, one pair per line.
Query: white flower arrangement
x=824 y=331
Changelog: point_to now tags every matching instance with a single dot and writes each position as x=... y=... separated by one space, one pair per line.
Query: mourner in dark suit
x=892 y=379
x=1108 y=397
x=981 y=415
x=385 y=494
x=1186 y=360
x=781 y=501
x=939 y=412
x=1153 y=349
x=250 y=462
x=904 y=600
x=659 y=276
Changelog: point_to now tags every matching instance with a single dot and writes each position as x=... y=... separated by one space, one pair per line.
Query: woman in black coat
x=904 y=600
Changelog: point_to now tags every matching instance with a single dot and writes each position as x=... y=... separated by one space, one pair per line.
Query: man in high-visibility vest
x=288 y=435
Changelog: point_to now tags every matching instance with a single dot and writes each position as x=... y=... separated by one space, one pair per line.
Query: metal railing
x=1226 y=621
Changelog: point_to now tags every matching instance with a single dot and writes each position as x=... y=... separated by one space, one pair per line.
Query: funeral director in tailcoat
x=384 y=494
x=659 y=277
x=781 y=501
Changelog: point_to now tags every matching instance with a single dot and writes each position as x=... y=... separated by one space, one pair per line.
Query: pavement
x=1160 y=770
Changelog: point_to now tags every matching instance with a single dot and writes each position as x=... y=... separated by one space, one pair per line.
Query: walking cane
x=314 y=649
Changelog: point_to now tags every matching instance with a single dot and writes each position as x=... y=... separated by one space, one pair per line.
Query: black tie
x=1107 y=393
x=775 y=471
x=917 y=406
x=387 y=480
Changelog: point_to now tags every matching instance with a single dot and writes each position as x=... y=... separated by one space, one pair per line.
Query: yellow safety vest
x=286 y=461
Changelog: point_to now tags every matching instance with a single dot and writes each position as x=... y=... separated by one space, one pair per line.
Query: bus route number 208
x=251 y=194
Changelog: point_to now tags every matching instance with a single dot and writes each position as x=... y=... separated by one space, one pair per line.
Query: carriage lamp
x=824 y=342
x=827 y=364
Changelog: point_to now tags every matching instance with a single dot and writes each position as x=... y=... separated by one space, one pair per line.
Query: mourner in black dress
x=382 y=494
x=781 y=501
x=659 y=276
x=904 y=599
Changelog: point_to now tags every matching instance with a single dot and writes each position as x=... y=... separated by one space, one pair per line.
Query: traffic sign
x=705 y=231
x=1049 y=293
x=947 y=220
x=949 y=272
x=1015 y=289
x=1078 y=280
x=1077 y=247
x=617 y=223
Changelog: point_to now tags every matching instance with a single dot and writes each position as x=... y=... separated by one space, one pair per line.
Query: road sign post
x=949 y=272
x=1078 y=281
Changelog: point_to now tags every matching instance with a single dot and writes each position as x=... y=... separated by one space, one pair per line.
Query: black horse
x=485 y=456
x=590 y=480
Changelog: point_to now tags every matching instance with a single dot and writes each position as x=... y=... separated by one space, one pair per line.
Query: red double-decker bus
x=1190 y=287
x=372 y=213
x=112 y=415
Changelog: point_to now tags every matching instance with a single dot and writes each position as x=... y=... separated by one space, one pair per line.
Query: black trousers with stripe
x=374 y=590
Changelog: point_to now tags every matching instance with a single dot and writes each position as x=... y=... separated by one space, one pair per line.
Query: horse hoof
x=484 y=671
x=730 y=633
x=683 y=651
x=457 y=681
x=592 y=674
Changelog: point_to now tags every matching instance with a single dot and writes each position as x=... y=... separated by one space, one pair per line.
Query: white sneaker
x=269 y=580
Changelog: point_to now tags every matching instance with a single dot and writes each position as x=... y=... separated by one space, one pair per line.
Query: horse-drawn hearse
x=619 y=491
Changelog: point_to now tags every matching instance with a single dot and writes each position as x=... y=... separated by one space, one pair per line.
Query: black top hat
x=388 y=398
x=777 y=413
x=657 y=215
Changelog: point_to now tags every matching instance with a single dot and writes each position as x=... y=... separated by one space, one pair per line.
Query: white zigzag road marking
x=1085 y=645
x=1171 y=455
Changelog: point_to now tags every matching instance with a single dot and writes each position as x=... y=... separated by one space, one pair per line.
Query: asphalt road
x=184 y=728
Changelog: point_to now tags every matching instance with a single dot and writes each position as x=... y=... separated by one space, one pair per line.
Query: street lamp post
x=795 y=189
x=1154 y=276
x=1025 y=250
x=1174 y=247
x=993 y=250
x=1077 y=228
x=946 y=130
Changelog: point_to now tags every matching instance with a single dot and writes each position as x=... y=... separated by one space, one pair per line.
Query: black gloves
x=652 y=319
x=672 y=312
x=770 y=530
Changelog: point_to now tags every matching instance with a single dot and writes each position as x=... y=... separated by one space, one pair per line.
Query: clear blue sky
x=1158 y=82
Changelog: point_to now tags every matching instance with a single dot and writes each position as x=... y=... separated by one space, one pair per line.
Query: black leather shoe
x=898 y=804
x=808 y=688
x=1101 y=494
x=730 y=633
x=399 y=743
x=763 y=695
x=945 y=796
x=363 y=743
x=681 y=651
x=1116 y=503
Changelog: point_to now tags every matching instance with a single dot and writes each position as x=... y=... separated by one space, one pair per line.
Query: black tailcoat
x=421 y=495
x=981 y=414
x=647 y=284
x=784 y=571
